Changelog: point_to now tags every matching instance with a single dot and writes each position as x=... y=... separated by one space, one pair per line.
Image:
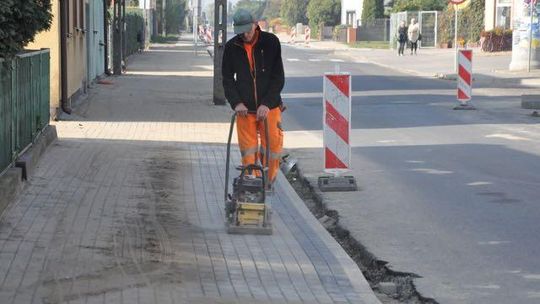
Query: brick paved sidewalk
x=127 y=207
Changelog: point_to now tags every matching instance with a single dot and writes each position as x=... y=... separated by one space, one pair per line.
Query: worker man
x=253 y=78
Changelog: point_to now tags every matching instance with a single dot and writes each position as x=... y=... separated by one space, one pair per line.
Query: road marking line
x=533 y=294
x=337 y=60
x=490 y=286
x=293 y=59
x=507 y=136
x=479 y=183
x=532 y=276
x=493 y=243
x=432 y=171
x=314 y=60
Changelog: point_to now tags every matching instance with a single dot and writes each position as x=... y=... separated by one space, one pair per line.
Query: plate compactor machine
x=246 y=208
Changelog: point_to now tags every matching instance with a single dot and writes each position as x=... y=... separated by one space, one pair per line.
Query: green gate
x=24 y=102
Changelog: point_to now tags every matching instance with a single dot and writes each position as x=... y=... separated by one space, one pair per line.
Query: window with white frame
x=503 y=17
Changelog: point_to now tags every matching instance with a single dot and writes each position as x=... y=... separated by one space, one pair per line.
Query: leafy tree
x=472 y=20
x=372 y=9
x=20 y=21
x=470 y=23
x=174 y=15
x=256 y=8
x=272 y=8
x=323 y=11
x=294 y=11
x=134 y=25
x=419 y=5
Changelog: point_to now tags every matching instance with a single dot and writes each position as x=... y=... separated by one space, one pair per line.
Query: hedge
x=134 y=26
x=470 y=24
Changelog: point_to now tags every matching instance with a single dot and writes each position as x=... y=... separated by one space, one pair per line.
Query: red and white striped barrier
x=201 y=31
x=293 y=35
x=336 y=122
x=307 y=35
x=464 y=82
x=208 y=36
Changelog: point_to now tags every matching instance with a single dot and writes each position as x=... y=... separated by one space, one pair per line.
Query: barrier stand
x=307 y=35
x=464 y=80
x=336 y=130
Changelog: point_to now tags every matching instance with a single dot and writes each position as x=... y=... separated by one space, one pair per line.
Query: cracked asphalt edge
x=390 y=286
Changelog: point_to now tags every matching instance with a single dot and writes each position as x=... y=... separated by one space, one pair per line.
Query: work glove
x=241 y=109
x=262 y=112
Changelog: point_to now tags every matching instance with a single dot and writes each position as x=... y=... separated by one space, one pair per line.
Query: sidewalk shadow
x=166 y=84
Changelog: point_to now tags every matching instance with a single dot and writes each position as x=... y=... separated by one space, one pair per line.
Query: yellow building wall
x=51 y=40
x=76 y=50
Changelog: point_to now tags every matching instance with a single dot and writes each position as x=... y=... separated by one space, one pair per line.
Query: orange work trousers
x=249 y=132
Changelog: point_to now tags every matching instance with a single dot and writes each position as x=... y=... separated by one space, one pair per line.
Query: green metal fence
x=24 y=102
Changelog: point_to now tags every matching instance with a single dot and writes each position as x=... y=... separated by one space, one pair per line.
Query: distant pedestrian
x=414 y=35
x=402 y=37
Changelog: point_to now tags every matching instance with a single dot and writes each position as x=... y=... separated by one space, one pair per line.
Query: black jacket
x=238 y=80
x=402 y=34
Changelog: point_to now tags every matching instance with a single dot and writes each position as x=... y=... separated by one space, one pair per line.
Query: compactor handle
x=228 y=159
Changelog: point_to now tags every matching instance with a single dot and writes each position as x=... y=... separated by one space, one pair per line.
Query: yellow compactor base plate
x=252 y=218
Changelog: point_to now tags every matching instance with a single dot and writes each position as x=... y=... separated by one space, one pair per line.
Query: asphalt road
x=452 y=196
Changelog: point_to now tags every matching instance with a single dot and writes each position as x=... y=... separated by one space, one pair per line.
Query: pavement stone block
x=126 y=207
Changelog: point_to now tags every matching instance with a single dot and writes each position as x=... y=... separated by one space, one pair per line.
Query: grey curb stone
x=10 y=186
x=11 y=182
x=29 y=159
x=531 y=102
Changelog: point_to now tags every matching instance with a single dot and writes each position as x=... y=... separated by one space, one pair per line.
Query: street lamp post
x=118 y=31
x=455 y=37
x=531 y=12
x=195 y=25
x=124 y=28
x=220 y=38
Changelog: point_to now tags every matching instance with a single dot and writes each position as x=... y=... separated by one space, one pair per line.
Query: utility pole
x=124 y=28
x=118 y=31
x=456 y=38
x=456 y=4
x=145 y=14
x=220 y=38
x=195 y=15
x=531 y=15
x=163 y=22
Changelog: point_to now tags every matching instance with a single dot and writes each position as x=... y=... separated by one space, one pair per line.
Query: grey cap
x=243 y=21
